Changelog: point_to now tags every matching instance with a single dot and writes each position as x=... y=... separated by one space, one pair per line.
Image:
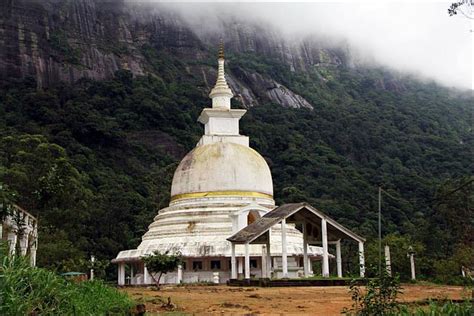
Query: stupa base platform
x=294 y=282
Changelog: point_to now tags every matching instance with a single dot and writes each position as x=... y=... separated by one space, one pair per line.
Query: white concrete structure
x=20 y=230
x=339 y=259
x=361 y=259
x=219 y=188
x=411 y=255
x=388 y=263
x=316 y=227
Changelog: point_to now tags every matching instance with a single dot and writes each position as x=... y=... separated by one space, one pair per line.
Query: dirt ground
x=205 y=300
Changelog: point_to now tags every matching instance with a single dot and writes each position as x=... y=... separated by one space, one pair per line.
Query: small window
x=183 y=265
x=197 y=265
x=215 y=264
x=253 y=263
x=301 y=262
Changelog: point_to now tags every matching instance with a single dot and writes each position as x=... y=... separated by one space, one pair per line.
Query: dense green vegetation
x=29 y=291
x=94 y=160
x=381 y=297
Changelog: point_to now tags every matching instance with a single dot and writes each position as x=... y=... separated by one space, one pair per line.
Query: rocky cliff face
x=57 y=40
x=64 y=41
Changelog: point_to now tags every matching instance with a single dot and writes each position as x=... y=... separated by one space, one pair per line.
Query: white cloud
x=417 y=37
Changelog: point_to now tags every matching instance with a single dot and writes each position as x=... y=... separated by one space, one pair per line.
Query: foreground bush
x=380 y=298
x=440 y=309
x=33 y=291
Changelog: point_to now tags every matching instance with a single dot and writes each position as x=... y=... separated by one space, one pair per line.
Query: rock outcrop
x=54 y=41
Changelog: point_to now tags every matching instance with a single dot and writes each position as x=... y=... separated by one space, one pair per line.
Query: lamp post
x=380 y=231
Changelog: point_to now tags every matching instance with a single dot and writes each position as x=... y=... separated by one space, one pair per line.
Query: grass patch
x=25 y=290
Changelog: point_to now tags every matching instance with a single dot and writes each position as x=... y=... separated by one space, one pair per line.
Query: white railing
x=20 y=230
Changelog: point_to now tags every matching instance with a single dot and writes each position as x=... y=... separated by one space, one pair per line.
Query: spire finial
x=221 y=93
x=221 y=49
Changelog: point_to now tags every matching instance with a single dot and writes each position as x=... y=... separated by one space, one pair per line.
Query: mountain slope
x=331 y=131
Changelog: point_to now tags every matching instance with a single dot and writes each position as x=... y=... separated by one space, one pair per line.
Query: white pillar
x=324 y=233
x=264 y=261
x=240 y=265
x=247 y=261
x=24 y=244
x=412 y=265
x=388 y=264
x=132 y=273
x=12 y=242
x=34 y=246
x=33 y=256
x=310 y=265
x=269 y=258
x=121 y=273
x=305 y=251
x=339 y=259
x=233 y=263
x=284 y=259
x=179 y=277
x=92 y=269
x=146 y=276
x=361 y=259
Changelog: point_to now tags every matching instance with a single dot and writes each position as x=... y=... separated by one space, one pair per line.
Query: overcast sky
x=414 y=36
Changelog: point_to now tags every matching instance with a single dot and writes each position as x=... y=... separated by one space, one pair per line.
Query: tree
x=40 y=177
x=41 y=174
x=448 y=271
x=462 y=6
x=161 y=263
x=7 y=198
x=453 y=208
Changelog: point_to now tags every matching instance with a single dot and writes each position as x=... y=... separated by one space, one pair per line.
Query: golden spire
x=221 y=49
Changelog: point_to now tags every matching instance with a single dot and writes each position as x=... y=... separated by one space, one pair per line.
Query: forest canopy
x=94 y=160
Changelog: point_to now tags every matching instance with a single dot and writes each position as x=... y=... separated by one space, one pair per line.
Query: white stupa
x=219 y=187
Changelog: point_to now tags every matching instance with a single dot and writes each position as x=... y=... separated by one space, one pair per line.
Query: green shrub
x=448 y=271
x=379 y=297
x=25 y=290
x=96 y=298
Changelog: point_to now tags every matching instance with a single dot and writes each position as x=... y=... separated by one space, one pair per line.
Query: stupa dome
x=222 y=168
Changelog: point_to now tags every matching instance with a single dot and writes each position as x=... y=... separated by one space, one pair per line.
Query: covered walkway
x=317 y=229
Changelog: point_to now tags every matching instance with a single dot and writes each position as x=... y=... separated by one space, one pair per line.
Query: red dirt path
x=205 y=300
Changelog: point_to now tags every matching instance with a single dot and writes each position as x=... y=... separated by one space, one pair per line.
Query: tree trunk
x=157 y=282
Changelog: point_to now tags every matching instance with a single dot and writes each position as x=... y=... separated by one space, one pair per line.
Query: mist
x=416 y=38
